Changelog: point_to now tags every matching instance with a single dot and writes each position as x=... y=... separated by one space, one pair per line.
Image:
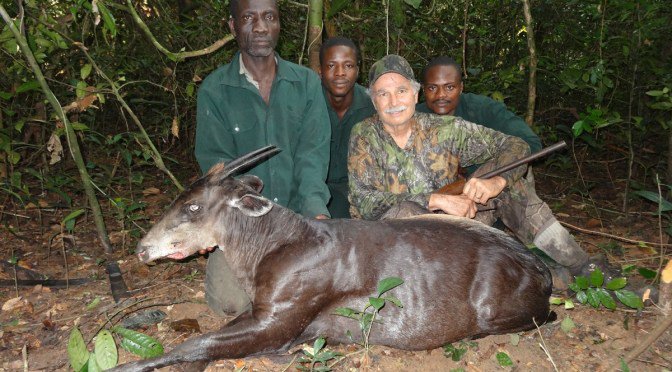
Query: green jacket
x=232 y=119
x=337 y=179
x=489 y=113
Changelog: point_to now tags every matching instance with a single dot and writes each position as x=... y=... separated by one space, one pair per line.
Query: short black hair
x=336 y=41
x=233 y=7
x=442 y=61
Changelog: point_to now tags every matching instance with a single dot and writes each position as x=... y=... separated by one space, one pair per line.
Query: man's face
x=442 y=88
x=256 y=26
x=394 y=99
x=339 y=70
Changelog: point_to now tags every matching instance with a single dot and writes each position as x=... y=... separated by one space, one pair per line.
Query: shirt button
x=275 y=200
x=236 y=129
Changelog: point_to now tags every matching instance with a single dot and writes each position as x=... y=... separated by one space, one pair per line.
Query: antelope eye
x=193 y=208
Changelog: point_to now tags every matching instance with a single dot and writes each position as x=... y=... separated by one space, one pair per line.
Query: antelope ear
x=252 y=205
x=253 y=181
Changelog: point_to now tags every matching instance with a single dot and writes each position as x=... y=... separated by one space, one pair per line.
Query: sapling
x=368 y=315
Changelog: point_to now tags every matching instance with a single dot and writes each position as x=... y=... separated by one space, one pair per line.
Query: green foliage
x=367 y=316
x=317 y=357
x=139 y=343
x=105 y=354
x=503 y=359
x=456 y=351
x=595 y=292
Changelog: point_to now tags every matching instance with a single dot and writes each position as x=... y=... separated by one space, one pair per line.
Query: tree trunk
x=329 y=24
x=532 y=83
x=314 y=33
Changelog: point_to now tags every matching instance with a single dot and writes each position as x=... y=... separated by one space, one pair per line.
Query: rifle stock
x=455 y=188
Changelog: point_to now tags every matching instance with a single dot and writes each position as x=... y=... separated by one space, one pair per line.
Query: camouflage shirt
x=382 y=174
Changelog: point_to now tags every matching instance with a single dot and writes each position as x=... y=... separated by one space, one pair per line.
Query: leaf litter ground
x=42 y=318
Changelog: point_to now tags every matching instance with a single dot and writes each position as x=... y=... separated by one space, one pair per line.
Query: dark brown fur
x=462 y=279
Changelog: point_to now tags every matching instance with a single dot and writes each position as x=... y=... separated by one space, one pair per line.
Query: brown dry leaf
x=42 y=203
x=175 y=128
x=186 y=325
x=55 y=149
x=151 y=191
x=12 y=303
x=593 y=223
x=30 y=206
x=666 y=274
x=239 y=364
x=117 y=237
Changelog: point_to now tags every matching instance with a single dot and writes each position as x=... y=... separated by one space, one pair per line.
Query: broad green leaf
x=629 y=298
x=344 y=311
x=318 y=344
x=582 y=282
x=388 y=283
x=105 y=350
x=655 y=93
x=80 y=89
x=567 y=325
x=6 y=95
x=139 y=343
x=663 y=204
x=503 y=359
x=376 y=302
x=454 y=352
x=191 y=87
x=77 y=352
x=581 y=296
x=569 y=304
x=646 y=273
x=93 y=303
x=393 y=300
x=92 y=365
x=414 y=3
x=27 y=86
x=624 y=366
x=574 y=287
x=72 y=215
x=85 y=71
x=616 y=283
x=108 y=19
x=605 y=298
x=596 y=278
x=591 y=296
x=556 y=300
x=77 y=126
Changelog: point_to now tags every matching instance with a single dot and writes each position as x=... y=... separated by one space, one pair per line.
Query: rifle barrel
x=527 y=159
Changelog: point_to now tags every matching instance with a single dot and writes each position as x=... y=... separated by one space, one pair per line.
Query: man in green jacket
x=443 y=89
x=259 y=99
x=347 y=104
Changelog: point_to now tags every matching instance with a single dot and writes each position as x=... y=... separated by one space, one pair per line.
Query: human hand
x=455 y=205
x=481 y=190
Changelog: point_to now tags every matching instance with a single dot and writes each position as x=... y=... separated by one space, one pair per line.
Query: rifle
x=456 y=187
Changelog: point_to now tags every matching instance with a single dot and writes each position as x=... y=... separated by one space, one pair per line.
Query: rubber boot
x=559 y=245
x=222 y=291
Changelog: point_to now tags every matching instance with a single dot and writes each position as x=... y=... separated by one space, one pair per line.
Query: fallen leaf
x=151 y=191
x=593 y=223
x=12 y=304
x=186 y=325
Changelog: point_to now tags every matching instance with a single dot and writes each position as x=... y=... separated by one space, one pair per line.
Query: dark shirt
x=489 y=113
x=337 y=179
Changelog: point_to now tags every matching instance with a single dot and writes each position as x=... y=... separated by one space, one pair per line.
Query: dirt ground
x=41 y=321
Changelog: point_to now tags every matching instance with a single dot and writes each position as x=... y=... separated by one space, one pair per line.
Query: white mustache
x=394 y=110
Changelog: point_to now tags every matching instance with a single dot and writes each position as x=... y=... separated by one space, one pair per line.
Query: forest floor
x=42 y=319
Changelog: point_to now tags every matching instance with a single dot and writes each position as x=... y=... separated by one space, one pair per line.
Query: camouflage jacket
x=382 y=174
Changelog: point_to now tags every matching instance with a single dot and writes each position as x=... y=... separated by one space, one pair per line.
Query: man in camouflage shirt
x=399 y=157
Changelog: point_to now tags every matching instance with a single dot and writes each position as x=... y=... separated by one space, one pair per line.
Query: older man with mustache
x=400 y=157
